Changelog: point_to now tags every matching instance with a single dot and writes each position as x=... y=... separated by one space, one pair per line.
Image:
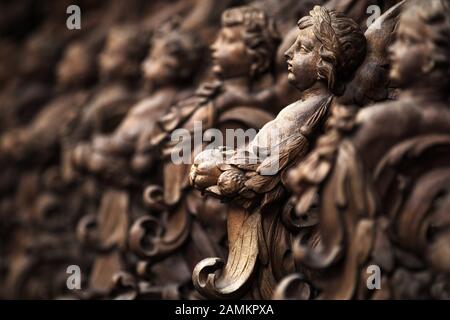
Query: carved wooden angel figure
x=119 y=71
x=73 y=117
x=36 y=141
x=32 y=84
x=382 y=186
x=35 y=148
x=47 y=205
x=243 y=56
x=168 y=71
x=328 y=50
x=26 y=93
x=173 y=60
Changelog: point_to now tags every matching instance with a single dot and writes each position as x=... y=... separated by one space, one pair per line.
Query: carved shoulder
x=383 y=125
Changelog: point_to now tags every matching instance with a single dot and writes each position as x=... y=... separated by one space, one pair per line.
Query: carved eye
x=173 y=48
x=408 y=40
x=304 y=49
x=229 y=39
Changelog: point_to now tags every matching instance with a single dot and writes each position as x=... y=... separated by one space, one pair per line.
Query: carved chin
x=217 y=69
x=394 y=75
x=291 y=78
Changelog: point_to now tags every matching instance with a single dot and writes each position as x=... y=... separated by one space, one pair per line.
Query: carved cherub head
x=174 y=56
x=329 y=47
x=246 y=44
x=39 y=55
x=77 y=65
x=421 y=52
x=124 y=50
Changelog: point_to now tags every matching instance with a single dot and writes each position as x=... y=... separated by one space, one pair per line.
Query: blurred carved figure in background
x=382 y=176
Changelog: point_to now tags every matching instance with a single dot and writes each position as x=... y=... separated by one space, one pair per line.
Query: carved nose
x=288 y=54
x=391 y=51
x=213 y=47
x=78 y=155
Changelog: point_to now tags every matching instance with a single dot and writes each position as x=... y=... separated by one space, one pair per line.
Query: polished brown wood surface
x=118 y=160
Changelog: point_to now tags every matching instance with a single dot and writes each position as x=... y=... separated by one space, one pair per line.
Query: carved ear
x=259 y=65
x=428 y=66
x=254 y=68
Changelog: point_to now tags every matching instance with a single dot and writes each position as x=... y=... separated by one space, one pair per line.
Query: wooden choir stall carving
x=112 y=161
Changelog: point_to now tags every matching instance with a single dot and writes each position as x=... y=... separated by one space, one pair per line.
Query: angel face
x=229 y=54
x=163 y=62
x=122 y=54
x=75 y=65
x=409 y=54
x=302 y=59
x=39 y=56
x=113 y=58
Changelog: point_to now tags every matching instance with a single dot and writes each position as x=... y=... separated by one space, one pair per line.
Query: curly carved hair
x=260 y=35
x=187 y=47
x=132 y=41
x=343 y=46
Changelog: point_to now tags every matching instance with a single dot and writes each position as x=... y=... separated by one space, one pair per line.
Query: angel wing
x=371 y=81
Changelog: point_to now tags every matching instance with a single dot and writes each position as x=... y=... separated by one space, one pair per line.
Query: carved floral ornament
x=341 y=193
